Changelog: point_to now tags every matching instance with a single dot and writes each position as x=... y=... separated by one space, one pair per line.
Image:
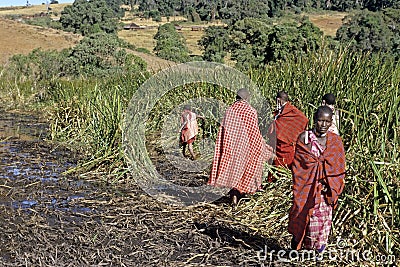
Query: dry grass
x=145 y=38
x=140 y=38
x=31 y=10
x=192 y=38
x=129 y=18
x=329 y=23
x=154 y=64
x=20 y=38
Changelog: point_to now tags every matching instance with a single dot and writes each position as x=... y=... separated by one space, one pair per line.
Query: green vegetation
x=96 y=55
x=88 y=114
x=234 y=10
x=87 y=17
x=170 y=44
x=215 y=44
x=254 y=43
x=258 y=32
x=369 y=211
x=373 y=31
x=45 y=22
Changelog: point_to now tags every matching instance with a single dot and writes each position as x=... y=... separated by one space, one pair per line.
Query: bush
x=170 y=44
x=96 y=55
x=87 y=17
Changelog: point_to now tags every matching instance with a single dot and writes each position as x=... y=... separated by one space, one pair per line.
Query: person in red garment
x=318 y=179
x=240 y=150
x=288 y=123
x=189 y=130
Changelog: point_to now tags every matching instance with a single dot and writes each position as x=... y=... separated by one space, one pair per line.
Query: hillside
x=20 y=38
x=32 y=10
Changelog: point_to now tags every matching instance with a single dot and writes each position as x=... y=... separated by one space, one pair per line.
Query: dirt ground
x=52 y=219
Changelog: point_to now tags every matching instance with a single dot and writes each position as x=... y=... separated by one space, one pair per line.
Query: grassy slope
x=31 y=10
x=19 y=38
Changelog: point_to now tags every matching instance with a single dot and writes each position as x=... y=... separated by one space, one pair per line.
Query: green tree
x=369 y=31
x=115 y=6
x=255 y=42
x=215 y=43
x=87 y=17
x=232 y=11
x=392 y=18
x=101 y=54
x=165 y=7
x=249 y=40
x=170 y=44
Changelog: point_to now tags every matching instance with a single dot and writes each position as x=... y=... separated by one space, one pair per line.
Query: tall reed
x=367 y=90
x=89 y=113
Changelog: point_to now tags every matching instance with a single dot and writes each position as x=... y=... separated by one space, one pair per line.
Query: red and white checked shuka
x=309 y=214
x=240 y=150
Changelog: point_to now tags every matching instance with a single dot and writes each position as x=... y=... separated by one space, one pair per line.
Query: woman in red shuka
x=318 y=179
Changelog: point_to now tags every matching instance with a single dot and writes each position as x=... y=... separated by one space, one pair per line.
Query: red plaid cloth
x=191 y=128
x=286 y=129
x=240 y=150
x=308 y=170
x=319 y=226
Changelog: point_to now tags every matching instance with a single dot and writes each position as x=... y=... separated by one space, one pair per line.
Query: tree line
x=252 y=38
x=254 y=42
x=231 y=11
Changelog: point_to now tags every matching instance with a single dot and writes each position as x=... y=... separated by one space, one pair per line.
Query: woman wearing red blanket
x=318 y=179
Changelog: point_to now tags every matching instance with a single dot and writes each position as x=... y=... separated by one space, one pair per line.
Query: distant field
x=329 y=23
x=17 y=38
x=145 y=38
x=32 y=10
x=20 y=38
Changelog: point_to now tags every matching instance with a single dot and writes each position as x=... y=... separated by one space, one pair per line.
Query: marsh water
x=51 y=218
x=32 y=168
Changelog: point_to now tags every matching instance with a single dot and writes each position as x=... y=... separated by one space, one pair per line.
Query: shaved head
x=243 y=94
x=323 y=110
x=329 y=99
x=283 y=96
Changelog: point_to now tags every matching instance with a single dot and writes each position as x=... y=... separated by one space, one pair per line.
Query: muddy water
x=51 y=219
x=31 y=169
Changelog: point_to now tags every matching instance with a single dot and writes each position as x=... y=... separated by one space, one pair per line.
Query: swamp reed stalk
x=367 y=90
x=89 y=113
